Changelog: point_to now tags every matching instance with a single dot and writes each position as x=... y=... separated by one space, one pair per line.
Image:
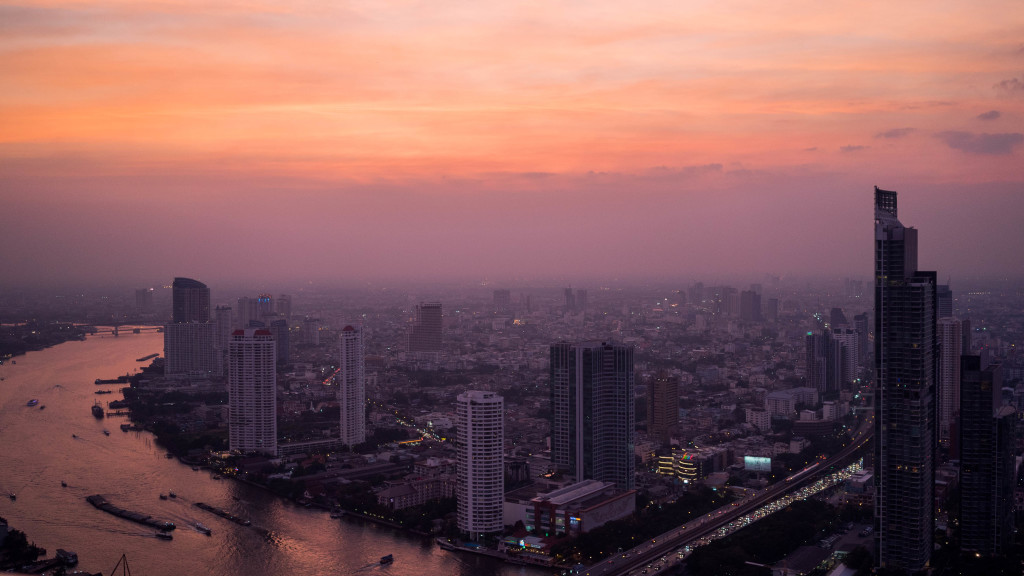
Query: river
x=41 y=447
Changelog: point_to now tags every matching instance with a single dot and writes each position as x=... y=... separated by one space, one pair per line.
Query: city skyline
x=450 y=141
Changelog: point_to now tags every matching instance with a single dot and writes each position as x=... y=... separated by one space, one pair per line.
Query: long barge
x=223 y=514
x=101 y=503
x=144 y=358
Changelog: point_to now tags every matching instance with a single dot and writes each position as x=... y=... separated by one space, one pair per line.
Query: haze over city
x=421 y=141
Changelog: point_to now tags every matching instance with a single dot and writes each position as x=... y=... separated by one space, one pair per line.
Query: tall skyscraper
x=860 y=324
x=189 y=338
x=943 y=301
x=831 y=359
x=987 y=472
x=426 y=329
x=252 y=392
x=190 y=301
x=948 y=377
x=480 y=489
x=352 y=386
x=592 y=405
x=663 y=407
x=905 y=408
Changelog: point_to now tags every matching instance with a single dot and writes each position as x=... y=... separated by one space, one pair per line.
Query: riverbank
x=19 y=339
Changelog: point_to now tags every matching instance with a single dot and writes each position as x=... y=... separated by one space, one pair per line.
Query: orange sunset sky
x=505 y=140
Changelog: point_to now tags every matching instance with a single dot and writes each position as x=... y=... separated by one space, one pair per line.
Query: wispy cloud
x=987 y=144
x=990 y=115
x=852 y=148
x=895 y=133
x=1011 y=87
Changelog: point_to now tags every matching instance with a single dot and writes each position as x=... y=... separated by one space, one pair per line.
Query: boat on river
x=387 y=559
x=32 y=402
x=203 y=528
x=97 y=410
x=164 y=536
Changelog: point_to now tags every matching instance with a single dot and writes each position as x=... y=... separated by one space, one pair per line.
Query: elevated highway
x=708 y=525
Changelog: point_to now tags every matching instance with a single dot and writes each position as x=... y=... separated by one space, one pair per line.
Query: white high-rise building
x=480 y=488
x=950 y=338
x=352 y=386
x=252 y=391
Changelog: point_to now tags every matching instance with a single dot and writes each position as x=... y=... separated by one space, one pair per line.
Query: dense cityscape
x=855 y=425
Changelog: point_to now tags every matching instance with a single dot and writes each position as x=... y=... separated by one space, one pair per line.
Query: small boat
x=387 y=559
x=63 y=484
x=194 y=468
x=97 y=410
x=106 y=432
x=164 y=536
x=13 y=496
x=202 y=528
x=163 y=496
x=32 y=402
x=42 y=406
x=74 y=435
x=172 y=494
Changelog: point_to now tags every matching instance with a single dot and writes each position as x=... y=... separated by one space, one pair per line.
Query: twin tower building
x=252 y=389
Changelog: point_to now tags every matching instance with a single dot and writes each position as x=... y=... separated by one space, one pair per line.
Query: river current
x=39 y=448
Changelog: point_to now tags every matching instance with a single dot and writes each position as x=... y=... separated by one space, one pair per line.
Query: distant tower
x=750 y=306
x=943 y=301
x=502 y=301
x=948 y=377
x=311 y=331
x=592 y=405
x=581 y=301
x=860 y=324
x=189 y=338
x=252 y=392
x=283 y=306
x=663 y=407
x=279 y=328
x=905 y=434
x=190 y=301
x=569 y=301
x=987 y=471
x=426 y=329
x=480 y=489
x=264 y=306
x=248 y=310
x=144 y=301
x=352 y=386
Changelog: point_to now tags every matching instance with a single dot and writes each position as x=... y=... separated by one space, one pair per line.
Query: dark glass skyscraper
x=905 y=435
x=592 y=406
x=987 y=468
x=190 y=301
x=426 y=329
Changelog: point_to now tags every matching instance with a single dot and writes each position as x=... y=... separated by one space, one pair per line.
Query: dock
x=101 y=503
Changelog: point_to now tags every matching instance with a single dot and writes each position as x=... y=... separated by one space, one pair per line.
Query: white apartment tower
x=352 y=386
x=252 y=391
x=480 y=489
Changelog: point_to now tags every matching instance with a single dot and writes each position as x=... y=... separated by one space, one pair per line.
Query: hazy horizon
x=427 y=142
